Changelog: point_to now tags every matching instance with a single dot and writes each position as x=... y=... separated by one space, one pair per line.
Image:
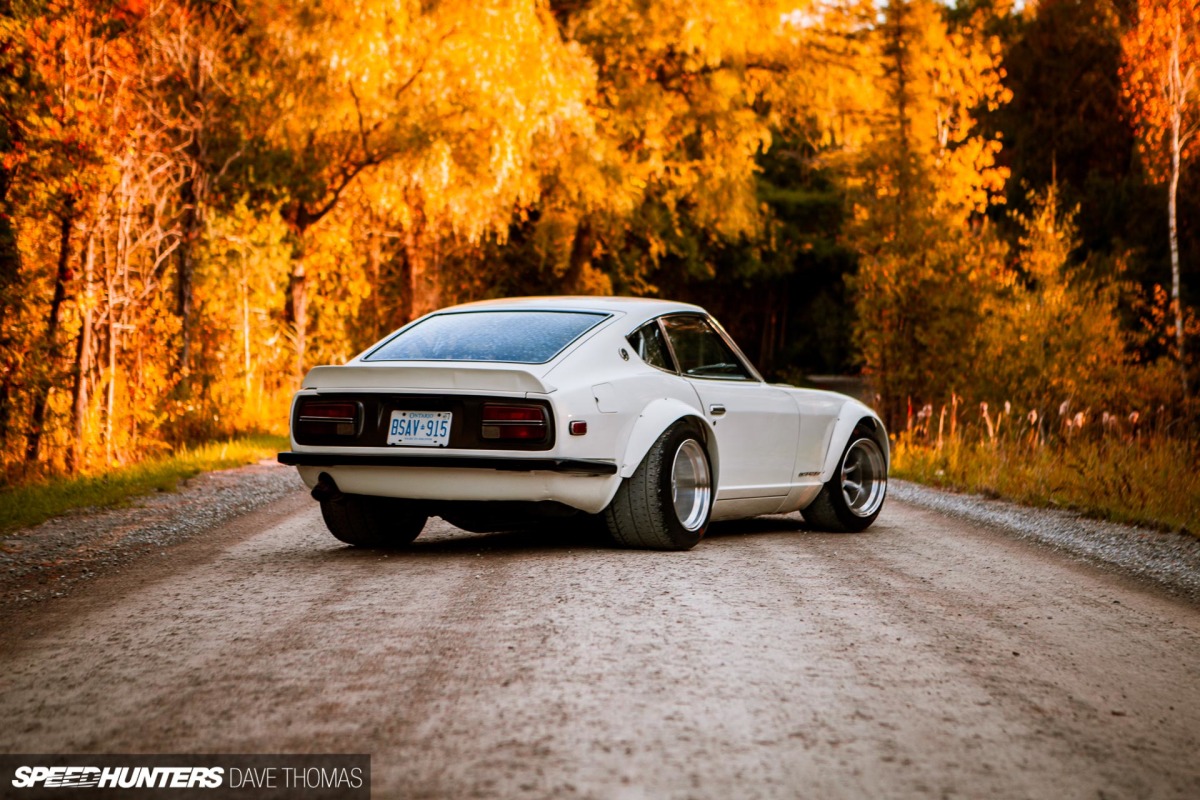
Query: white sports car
x=641 y=413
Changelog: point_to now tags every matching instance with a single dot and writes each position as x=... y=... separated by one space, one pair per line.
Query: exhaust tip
x=326 y=489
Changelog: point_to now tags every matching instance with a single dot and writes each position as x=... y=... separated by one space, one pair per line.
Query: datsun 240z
x=643 y=414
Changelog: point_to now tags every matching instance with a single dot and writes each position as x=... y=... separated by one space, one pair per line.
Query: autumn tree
x=15 y=84
x=98 y=188
x=1162 y=57
x=493 y=155
x=921 y=183
x=1053 y=334
x=243 y=367
x=678 y=88
x=435 y=113
x=80 y=56
x=312 y=131
x=193 y=54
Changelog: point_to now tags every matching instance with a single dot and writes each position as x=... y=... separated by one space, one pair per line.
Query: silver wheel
x=665 y=503
x=691 y=485
x=864 y=478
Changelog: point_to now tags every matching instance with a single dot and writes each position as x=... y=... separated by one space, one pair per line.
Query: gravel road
x=936 y=655
x=49 y=560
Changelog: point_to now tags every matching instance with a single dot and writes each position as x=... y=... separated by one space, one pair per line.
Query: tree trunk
x=107 y=257
x=83 y=366
x=10 y=275
x=422 y=287
x=186 y=267
x=886 y=402
x=297 y=312
x=899 y=45
x=247 y=363
x=41 y=391
x=295 y=306
x=373 y=258
x=402 y=314
x=1176 y=299
x=580 y=260
x=10 y=265
x=110 y=400
x=192 y=194
x=1177 y=100
x=770 y=331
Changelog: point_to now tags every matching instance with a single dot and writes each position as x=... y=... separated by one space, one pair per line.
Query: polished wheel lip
x=691 y=485
x=864 y=477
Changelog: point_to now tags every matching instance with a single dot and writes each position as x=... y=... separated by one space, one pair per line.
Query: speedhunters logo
x=119 y=777
x=254 y=777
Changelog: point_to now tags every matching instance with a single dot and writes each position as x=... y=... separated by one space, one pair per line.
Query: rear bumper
x=586 y=491
x=570 y=466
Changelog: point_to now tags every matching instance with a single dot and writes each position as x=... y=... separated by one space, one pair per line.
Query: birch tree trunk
x=1177 y=97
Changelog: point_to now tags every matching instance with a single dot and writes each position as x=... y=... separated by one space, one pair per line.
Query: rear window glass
x=523 y=337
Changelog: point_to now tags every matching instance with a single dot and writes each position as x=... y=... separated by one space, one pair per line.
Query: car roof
x=644 y=307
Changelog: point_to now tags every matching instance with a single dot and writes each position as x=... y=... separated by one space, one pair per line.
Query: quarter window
x=647 y=341
x=701 y=351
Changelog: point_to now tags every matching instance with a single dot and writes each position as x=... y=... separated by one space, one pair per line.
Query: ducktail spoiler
x=458 y=377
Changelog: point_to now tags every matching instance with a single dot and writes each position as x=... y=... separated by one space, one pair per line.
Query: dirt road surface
x=927 y=657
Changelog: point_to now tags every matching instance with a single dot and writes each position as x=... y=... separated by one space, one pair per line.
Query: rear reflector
x=514 y=423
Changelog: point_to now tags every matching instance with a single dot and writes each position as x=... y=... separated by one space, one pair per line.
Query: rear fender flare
x=853 y=413
x=653 y=421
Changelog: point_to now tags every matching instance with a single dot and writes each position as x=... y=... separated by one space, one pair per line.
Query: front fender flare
x=656 y=418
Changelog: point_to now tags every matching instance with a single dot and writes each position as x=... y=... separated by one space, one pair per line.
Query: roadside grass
x=25 y=506
x=1152 y=481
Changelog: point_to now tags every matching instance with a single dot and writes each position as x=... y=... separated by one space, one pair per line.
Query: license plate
x=420 y=428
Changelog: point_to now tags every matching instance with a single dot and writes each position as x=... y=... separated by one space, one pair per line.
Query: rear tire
x=365 y=521
x=852 y=499
x=667 y=502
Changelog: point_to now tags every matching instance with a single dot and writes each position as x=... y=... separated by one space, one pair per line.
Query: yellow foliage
x=1161 y=78
x=922 y=176
x=1054 y=335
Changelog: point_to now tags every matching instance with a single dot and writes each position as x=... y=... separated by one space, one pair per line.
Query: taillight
x=329 y=417
x=515 y=423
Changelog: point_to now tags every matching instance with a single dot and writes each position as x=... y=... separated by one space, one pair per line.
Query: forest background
x=990 y=212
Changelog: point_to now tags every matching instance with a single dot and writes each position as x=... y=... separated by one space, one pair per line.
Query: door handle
x=717 y=410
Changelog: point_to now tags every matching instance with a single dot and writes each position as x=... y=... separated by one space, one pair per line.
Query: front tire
x=365 y=521
x=852 y=499
x=667 y=502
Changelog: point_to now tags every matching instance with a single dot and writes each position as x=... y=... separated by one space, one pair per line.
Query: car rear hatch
x=423 y=409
